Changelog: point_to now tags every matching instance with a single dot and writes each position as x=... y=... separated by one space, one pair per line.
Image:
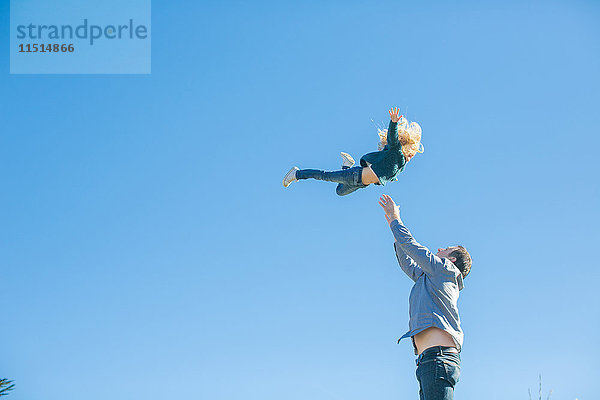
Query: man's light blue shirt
x=434 y=296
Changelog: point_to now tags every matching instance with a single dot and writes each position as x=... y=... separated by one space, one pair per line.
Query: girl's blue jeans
x=437 y=373
x=349 y=180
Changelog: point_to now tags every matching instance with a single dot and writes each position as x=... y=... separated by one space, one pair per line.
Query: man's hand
x=392 y=211
x=394 y=112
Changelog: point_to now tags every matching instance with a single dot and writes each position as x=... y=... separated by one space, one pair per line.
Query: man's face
x=445 y=253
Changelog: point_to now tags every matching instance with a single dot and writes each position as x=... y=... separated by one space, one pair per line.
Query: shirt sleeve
x=431 y=264
x=407 y=264
x=392 y=135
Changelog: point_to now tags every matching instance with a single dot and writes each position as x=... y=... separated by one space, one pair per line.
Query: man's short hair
x=463 y=260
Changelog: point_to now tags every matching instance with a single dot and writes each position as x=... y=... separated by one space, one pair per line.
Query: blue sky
x=148 y=247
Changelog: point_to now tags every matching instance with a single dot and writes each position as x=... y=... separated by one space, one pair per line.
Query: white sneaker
x=290 y=177
x=348 y=160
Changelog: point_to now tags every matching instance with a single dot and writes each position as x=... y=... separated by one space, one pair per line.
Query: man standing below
x=434 y=321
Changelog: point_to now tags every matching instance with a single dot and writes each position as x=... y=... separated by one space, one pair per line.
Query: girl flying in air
x=397 y=146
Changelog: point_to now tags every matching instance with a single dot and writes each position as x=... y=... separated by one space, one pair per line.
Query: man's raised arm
x=429 y=262
x=407 y=264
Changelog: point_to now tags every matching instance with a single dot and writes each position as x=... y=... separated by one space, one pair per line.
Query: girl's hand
x=394 y=114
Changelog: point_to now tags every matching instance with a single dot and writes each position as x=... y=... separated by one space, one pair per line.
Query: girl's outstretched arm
x=392 y=133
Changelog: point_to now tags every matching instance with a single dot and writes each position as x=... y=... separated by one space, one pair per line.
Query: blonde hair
x=409 y=135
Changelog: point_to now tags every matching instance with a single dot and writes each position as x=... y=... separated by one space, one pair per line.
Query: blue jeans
x=437 y=373
x=349 y=179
